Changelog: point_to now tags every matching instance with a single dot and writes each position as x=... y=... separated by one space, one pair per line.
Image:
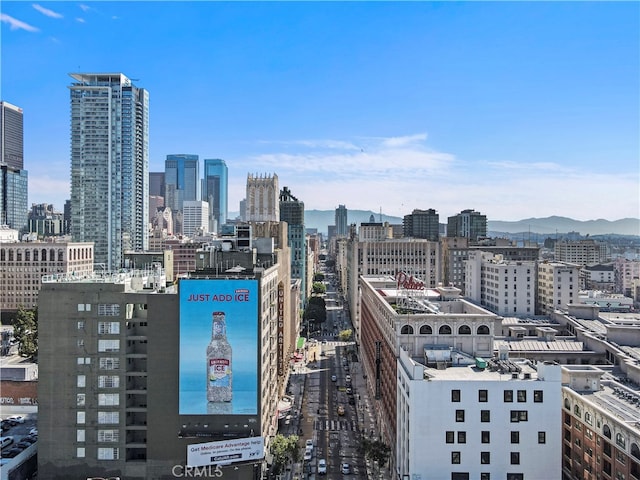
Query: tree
x=25 y=331
x=318 y=287
x=316 y=310
x=345 y=335
x=284 y=449
x=376 y=450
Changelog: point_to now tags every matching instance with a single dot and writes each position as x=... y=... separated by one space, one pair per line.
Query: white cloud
x=401 y=175
x=80 y=20
x=15 y=24
x=46 y=11
x=85 y=8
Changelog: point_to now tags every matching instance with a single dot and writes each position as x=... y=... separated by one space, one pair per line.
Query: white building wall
x=426 y=412
x=558 y=285
x=196 y=216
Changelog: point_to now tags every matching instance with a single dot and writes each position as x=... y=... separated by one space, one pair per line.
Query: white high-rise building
x=466 y=421
x=195 y=217
x=502 y=286
x=558 y=286
x=109 y=165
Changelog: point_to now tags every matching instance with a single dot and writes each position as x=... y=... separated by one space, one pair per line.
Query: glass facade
x=215 y=192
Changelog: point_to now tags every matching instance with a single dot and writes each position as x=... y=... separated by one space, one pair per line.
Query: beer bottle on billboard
x=219 y=377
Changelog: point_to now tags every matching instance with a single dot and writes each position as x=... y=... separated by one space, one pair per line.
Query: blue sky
x=515 y=109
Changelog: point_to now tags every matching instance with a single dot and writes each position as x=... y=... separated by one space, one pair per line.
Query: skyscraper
x=422 y=224
x=11 y=136
x=292 y=212
x=181 y=181
x=262 y=199
x=13 y=177
x=341 y=221
x=469 y=224
x=109 y=165
x=215 y=192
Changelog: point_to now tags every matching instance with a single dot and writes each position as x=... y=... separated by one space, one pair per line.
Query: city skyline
x=516 y=110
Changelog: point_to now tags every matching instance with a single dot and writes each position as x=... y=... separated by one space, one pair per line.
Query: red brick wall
x=13 y=393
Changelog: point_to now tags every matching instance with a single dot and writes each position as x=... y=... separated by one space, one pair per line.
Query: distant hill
x=321 y=219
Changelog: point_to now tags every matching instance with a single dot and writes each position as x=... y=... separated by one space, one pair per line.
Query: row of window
x=485 y=437
x=485 y=476
x=483 y=396
x=444 y=330
x=485 y=458
x=103 y=453
x=485 y=416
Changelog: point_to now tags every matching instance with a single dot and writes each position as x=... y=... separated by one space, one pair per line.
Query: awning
x=300 y=343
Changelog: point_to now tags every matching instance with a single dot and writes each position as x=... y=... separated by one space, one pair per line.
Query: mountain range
x=321 y=219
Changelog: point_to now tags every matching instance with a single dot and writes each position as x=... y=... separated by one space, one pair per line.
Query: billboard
x=225 y=452
x=218 y=365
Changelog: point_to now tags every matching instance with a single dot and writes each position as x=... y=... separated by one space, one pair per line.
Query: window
x=80 y=418
x=483 y=395
x=459 y=415
x=455 y=457
x=485 y=415
x=577 y=412
x=80 y=325
x=80 y=399
x=515 y=437
x=515 y=476
x=542 y=437
x=108 y=399
x=464 y=330
x=485 y=436
x=537 y=396
x=459 y=475
x=485 y=458
x=108 y=454
x=80 y=452
x=105 y=328
x=620 y=441
x=588 y=418
x=406 y=330
x=80 y=434
x=444 y=330
x=426 y=330
x=109 y=363
x=108 y=345
x=483 y=330
x=519 y=416
x=108 y=435
x=81 y=381
x=485 y=476
x=522 y=395
x=450 y=436
x=455 y=395
x=462 y=437
x=108 y=381
x=508 y=396
x=108 y=310
x=108 y=417
x=515 y=458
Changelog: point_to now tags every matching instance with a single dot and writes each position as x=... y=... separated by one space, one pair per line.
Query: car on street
x=308 y=453
x=340 y=410
x=349 y=391
x=348 y=378
x=322 y=467
x=308 y=443
x=6 y=441
x=345 y=469
x=334 y=378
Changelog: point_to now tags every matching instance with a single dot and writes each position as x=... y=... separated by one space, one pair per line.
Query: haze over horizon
x=514 y=109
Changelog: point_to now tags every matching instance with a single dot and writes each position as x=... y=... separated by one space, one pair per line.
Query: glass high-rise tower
x=13 y=176
x=214 y=191
x=109 y=165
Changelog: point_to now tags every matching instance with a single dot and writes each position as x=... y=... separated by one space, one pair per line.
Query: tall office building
x=422 y=224
x=292 y=212
x=182 y=180
x=215 y=192
x=109 y=165
x=469 y=224
x=156 y=184
x=262 y=199
x=341 y=221
x=13 y=177
x=11 y=136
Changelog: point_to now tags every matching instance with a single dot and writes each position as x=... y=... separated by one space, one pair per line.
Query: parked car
x=33 y=431
x=348 y=378
x=334 y=378
x=6 y=441
x=6 y=425
x=340 y=410
x=308 y=453
x=322 y=467
x=345 y=469
x=308 y=443
x=11 y=452
x=16 y=418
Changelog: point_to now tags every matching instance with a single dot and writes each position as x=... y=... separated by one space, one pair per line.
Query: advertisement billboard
x=225 y=452
x=218 y=363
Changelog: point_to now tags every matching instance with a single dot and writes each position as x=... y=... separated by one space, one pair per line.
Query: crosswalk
x=335 y=425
